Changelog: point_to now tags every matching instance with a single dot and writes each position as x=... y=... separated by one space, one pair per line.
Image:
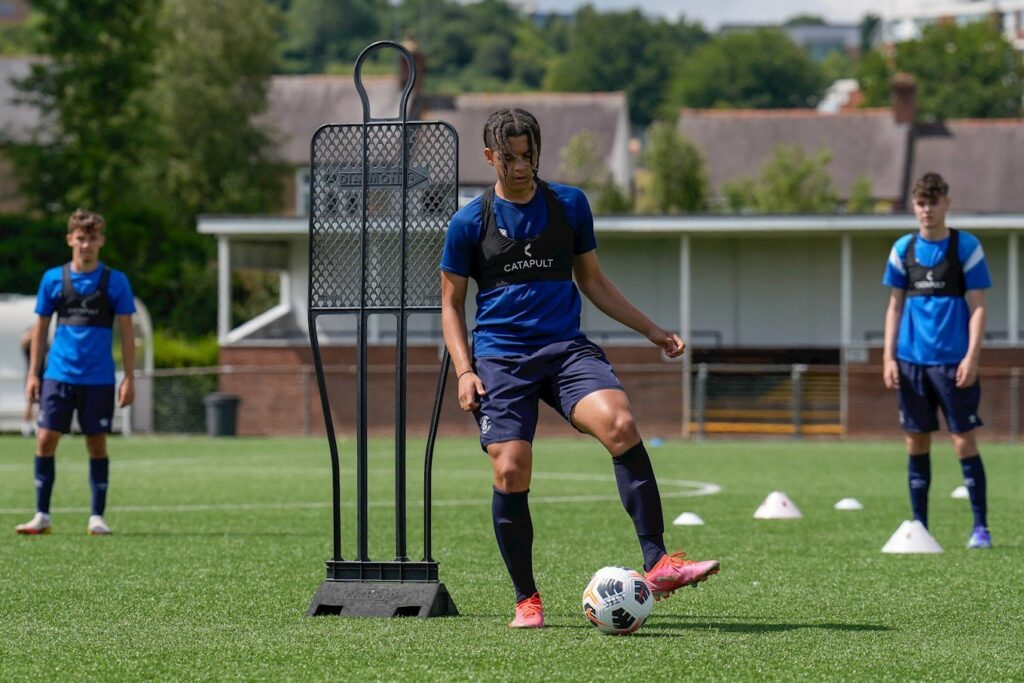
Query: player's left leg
x=99 y=478
x=95 y=414
x=966 y=446
x=606 y=415
x=960 y=406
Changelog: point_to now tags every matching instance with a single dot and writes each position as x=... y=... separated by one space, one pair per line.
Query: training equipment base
x=382 y=589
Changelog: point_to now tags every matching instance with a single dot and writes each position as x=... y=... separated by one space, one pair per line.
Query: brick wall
x=873 y=408
x=280 y=396
x=279 y=392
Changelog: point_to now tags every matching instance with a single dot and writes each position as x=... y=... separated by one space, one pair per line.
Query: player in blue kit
x=934 y=328
x=524 y=242
x=88 y=298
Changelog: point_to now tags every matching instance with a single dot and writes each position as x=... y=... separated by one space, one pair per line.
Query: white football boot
x=97 y=527
x=40 y=524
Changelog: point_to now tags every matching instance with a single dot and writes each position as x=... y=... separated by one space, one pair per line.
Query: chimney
x=421 y=67
x=904 y=91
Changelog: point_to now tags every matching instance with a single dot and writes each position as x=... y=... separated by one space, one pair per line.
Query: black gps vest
x=93 y=310
x=945 y=278
x=502 y=261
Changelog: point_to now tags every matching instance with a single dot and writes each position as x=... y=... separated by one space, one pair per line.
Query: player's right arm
x=893 y=314
x=453 y=325
x=40 y=331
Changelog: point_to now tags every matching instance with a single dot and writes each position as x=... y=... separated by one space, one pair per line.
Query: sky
x=711 y=13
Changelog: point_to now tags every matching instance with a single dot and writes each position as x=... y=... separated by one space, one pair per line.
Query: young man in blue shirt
x=934 y=328
x=88 y=298
x=524 y=241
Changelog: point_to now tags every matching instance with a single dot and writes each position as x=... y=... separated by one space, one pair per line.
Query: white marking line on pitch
x=692 y=488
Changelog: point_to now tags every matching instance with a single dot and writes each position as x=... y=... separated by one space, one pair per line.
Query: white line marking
x=689 y=489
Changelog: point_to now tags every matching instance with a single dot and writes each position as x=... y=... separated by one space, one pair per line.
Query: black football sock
x=638 y=490
x=513 y=528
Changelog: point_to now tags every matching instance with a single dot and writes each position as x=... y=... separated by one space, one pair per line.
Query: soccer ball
x=617 y=600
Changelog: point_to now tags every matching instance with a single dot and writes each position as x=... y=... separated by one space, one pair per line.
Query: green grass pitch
x=219 y=546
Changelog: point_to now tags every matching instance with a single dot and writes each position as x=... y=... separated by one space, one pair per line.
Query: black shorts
x=926 y=389
x=560 y=374
x=93 y=403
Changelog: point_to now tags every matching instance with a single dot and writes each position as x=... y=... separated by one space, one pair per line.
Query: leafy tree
x=868 y=26
x=213 y=74
x=581 y=162
x=861 y=198
x=612 y=199
x=21 y=39
x=760 y=69
x=679 y=180
x=791 y=182
x=95 y=122
x=837 y=65
x=805 y=20
x=961 y=72
x=581 y=165
x=322 y=31
x=623 y=51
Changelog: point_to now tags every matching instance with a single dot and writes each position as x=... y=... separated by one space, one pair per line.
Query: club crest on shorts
x=485 y=424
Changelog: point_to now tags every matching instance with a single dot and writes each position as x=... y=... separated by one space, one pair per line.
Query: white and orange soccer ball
x=617 y=600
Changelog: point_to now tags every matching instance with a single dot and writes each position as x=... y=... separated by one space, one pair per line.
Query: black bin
x=221 y=414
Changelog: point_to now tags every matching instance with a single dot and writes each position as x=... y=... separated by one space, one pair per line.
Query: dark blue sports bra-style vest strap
x=945 y=278
x=502 y=261
x=93 y=310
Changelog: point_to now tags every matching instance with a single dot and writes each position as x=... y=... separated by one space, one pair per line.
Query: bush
x=170 y=351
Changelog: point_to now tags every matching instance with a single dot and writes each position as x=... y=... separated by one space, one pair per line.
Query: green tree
x=95 y=120
x=323 y=31
x=967 y=71
x=868 y=25
x=678 y=174
x=213 y=75
x=623 y=51
x=760 y=69
x=861 y=198
x=21 y=39
x=805 y=20
x=581 y=165
x=791 y=182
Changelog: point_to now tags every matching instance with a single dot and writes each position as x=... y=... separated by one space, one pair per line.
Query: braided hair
x=512 y=122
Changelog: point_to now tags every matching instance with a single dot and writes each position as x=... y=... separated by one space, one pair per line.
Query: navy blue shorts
x=560 y=374
x=925 y=389
x=94 y=404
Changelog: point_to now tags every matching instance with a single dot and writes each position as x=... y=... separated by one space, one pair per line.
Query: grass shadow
x=670 y=623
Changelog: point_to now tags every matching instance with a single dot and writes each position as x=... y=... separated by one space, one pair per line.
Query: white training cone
x=777 y=506
x=911 y=537
x=688 y=519
x=849 y=504
x=960 y=493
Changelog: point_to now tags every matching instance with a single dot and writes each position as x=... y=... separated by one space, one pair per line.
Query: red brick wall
x=873 y=408
x=279 y=392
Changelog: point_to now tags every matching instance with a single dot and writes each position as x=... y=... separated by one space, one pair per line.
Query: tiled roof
x=982 y=160
x=737 y=143
x=298 y=105
x=560 y=115
x=16 y=121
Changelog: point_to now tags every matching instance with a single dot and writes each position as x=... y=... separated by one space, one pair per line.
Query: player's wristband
x=465 y=372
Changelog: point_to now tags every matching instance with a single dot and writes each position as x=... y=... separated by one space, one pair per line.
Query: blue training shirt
x=934 y=329
x=519 y=319
x=82 y=354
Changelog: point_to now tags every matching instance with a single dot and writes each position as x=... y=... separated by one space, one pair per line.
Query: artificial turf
x=219 y=545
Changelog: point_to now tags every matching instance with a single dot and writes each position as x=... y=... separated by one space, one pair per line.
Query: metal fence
x=794 y=399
